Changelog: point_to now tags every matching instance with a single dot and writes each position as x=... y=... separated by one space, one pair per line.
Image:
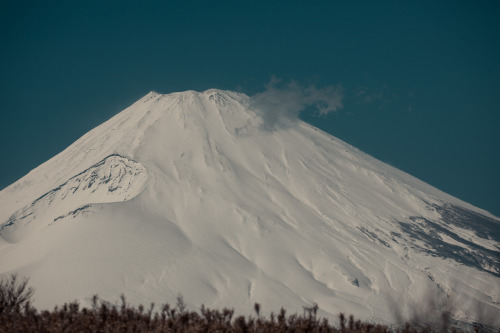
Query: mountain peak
x=186 y=193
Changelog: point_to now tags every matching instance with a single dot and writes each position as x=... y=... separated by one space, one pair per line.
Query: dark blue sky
x=421 y=80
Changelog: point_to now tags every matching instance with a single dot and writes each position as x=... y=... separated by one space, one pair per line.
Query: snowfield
x=189 y=193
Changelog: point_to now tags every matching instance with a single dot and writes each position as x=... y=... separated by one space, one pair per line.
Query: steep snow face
x=212 y=205
x=119 y=135
x=114 y=179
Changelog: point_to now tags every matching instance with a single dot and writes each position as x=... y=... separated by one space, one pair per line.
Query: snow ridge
x=114 y=179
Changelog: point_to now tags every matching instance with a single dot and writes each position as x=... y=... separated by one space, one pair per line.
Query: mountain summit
x=191 y=193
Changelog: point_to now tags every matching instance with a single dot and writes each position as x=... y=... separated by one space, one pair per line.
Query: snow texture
x=189 y=193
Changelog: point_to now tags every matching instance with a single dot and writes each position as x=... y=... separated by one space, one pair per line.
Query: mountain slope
x=214 y=206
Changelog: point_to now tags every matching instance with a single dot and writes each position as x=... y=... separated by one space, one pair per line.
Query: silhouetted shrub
x=14 y=293
x=19 y=316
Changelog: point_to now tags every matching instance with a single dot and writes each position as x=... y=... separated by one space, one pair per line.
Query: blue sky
x=420 y=80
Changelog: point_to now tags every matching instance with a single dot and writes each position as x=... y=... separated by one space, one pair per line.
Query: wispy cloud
x=281 y=103
x=380 y=97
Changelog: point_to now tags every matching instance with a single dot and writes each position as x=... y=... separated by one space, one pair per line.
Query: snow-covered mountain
x=189 y=193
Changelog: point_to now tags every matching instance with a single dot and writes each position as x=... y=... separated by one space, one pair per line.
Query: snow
x=114 y=179
x=212 y=205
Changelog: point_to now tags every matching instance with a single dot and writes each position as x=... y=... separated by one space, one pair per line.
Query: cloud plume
x=282 y=103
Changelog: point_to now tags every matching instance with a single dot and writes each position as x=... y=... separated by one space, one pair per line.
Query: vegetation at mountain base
x=17 y=315
x=14 y=293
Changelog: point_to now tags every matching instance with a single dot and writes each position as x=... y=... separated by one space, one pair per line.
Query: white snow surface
x=187 y=193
